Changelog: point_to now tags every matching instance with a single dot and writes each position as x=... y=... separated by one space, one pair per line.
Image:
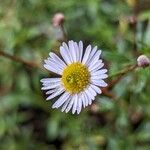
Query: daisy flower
x=80 y=76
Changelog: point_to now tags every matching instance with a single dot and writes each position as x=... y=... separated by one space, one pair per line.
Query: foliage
x=27 y=121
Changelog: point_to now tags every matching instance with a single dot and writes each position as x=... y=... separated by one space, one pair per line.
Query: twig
x=120 y=74
x=20 y=60
x=107 y=93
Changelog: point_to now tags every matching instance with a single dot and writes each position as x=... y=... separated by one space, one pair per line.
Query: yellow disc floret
x=75 y=77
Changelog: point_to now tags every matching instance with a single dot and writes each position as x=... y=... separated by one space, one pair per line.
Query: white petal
x=50 y=83
x=50 y=91
x=91 y=54
x=72 y=50
x=50 y=80
x=61 y=100
x=101 y=76
x=79 y=105
x=97 y=66
x=89 y=99
x=65 y=46
x=65 y=55
x=53 y=90
x=96 y=89
x=77 y=51
x=68 y=51
x=85 y=98
x=51 y=86
x=57 y=59
x=53 y=64
x=75 y=104
x=52 y=69
x=56 y=93
x=95 y=58
x=80 y=50
x=70 y=104
x=99 y=72
x=82 y=99
x=100 y=83
x=86 y=54
x=94 y=64
x=92 y=92
x=66 y=104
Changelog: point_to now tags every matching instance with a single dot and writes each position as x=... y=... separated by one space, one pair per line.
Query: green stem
x=124 y=71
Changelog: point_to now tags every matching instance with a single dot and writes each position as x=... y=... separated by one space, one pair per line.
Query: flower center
x=75 y=77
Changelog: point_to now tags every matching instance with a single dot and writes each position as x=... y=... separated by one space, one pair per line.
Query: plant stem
x=18 y=59
x=122 y=72
x=119 y=75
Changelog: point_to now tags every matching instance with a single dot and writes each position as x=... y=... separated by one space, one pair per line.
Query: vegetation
x=119 y=119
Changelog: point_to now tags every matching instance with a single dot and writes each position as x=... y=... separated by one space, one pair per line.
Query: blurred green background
x=121 y=28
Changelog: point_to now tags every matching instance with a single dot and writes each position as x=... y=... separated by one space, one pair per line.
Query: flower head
x=143 y=61
x=81 y=76
x=58 y=19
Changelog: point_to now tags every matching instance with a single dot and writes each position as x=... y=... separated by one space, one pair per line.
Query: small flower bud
x=143 y=61
x=58 y=19
x=94 y=108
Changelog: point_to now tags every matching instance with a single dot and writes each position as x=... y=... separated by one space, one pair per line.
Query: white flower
x=81 y=76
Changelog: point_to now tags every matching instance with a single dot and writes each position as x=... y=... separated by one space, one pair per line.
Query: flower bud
x=143 y=61
x=94 y=108
x=58 y=19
